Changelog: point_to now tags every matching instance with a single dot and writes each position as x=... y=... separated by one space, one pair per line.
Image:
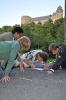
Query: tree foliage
x=41 y=35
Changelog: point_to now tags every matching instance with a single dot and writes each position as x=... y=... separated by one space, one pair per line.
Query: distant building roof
x=59 y=8
x=41 y=18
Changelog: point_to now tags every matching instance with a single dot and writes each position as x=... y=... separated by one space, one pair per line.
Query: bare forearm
x=27 y=62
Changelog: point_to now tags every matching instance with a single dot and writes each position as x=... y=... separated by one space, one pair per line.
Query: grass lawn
x=50 y=60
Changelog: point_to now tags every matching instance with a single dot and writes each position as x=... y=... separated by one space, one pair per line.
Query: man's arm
x=59 y=60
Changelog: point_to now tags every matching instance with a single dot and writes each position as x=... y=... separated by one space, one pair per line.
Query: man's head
x=24 y=43
x=17 y=32
x=42 y=56
x=54 y=48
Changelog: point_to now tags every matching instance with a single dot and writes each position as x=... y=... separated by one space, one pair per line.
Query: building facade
x=56 y=15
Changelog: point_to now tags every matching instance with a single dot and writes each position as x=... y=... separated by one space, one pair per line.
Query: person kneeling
x=9 y=51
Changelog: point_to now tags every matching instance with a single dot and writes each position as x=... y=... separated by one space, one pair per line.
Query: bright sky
x=12 y=10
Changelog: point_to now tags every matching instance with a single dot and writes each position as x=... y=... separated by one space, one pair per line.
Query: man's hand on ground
x=49 y=72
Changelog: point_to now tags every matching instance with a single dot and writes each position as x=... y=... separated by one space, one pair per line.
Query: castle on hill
x=56 y=15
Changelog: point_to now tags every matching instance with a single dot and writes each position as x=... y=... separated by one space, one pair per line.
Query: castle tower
x=25 y=19
x=58 y=14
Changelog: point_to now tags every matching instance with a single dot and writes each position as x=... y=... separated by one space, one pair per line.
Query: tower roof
x=59 y=8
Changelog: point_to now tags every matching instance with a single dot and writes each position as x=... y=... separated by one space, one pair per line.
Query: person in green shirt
x=9 y=51
x=15 y=34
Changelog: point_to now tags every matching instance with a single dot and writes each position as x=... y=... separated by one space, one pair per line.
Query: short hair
x=24 y=42
x=43 y=55
x=53 y=46
x=17 y=29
